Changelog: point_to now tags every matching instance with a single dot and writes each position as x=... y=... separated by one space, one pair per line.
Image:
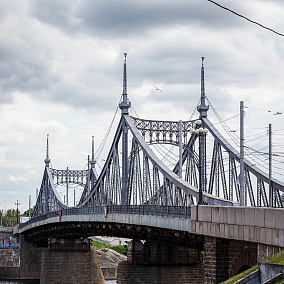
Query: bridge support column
x=265 y=251
x=70 y=261
x=30 y=259
x=225 y=258
x=160 y=263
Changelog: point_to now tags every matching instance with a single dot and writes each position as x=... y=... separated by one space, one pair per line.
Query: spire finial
x=124 y=77
x=92 y=162
x=202 y=108
x=125 y=104
x=47 y=160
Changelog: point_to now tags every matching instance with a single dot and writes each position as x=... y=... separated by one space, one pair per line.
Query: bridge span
x=258 y=225
x=230 y=237
x=184 y=217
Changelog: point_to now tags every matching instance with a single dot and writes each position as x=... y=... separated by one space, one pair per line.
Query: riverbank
x=109 y=260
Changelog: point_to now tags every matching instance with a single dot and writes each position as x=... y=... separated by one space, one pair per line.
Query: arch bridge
x=139 y=196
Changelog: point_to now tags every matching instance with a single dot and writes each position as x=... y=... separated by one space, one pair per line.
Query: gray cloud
x=122 y=19
x=61 y=71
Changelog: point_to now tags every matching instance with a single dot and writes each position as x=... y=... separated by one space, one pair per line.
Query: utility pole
x=2 y=212
x=30 y=201
x=17 y=203
x=271 y=203
x=180 y=149
x=242 y=169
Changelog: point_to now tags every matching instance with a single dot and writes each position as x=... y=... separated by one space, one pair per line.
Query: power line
x=267 y=110
x=245 y=18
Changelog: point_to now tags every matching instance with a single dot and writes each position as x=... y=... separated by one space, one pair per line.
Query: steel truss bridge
x=135 y=178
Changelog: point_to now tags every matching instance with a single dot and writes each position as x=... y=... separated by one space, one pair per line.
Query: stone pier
x=64 y=261
x=160 y=263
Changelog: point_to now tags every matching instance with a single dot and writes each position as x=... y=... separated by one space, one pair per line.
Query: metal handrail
x=157 y=210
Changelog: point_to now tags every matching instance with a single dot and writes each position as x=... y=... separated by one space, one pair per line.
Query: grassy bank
x=277 y=258
x=105 y=247
x=241 y=275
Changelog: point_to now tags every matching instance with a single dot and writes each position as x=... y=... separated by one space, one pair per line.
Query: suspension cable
x=101 y=147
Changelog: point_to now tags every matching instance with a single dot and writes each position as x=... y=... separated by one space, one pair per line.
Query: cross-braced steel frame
x=134 y=175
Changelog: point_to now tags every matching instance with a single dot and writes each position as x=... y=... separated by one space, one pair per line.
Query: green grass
x=281 y=281
x=105 y=247
x=241 y=275
x=277 y=258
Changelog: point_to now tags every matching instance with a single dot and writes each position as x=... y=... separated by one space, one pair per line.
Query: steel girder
x=253 y=195
x=70 y=176
x=149 y=181
x=48 y=199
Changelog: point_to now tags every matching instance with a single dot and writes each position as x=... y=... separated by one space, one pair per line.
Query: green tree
x=26 y=213
x=10 y=218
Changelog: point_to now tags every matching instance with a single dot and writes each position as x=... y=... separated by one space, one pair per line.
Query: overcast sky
x=61 y=73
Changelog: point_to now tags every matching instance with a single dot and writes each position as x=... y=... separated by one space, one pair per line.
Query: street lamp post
x=201 y=132
x=2 y=211
x=17 y=203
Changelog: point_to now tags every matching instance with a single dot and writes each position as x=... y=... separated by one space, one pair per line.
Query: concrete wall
x=6 y=232
x=268 y=271
x=253 y=278
x=258 y=225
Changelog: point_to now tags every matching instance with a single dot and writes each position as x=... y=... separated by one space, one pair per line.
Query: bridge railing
x=155 y=210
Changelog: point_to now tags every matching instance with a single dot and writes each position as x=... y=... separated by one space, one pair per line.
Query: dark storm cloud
x=129 y=18
x=165 y=41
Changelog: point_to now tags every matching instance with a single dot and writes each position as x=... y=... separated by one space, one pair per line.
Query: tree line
x=9 y=217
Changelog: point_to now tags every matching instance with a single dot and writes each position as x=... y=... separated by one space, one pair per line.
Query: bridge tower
x=202 y=109
x=93 y=162
x=47 y=161
x=124 y=106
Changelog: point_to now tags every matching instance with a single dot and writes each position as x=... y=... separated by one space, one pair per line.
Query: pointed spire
x=47 y=160
x=92 y=162
x=124 y=77
x=125 y=104
x=202 y=108
x=202 y=79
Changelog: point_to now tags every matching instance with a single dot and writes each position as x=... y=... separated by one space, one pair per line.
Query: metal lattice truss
x=147 y=180
x=223 y=179
x=48 y=199
x=166 y=132
x=69 y=176
x=134 y=175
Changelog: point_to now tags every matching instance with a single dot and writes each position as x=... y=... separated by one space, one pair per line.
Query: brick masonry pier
x=219 y=260
x=160 y=263
x=64 y=261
